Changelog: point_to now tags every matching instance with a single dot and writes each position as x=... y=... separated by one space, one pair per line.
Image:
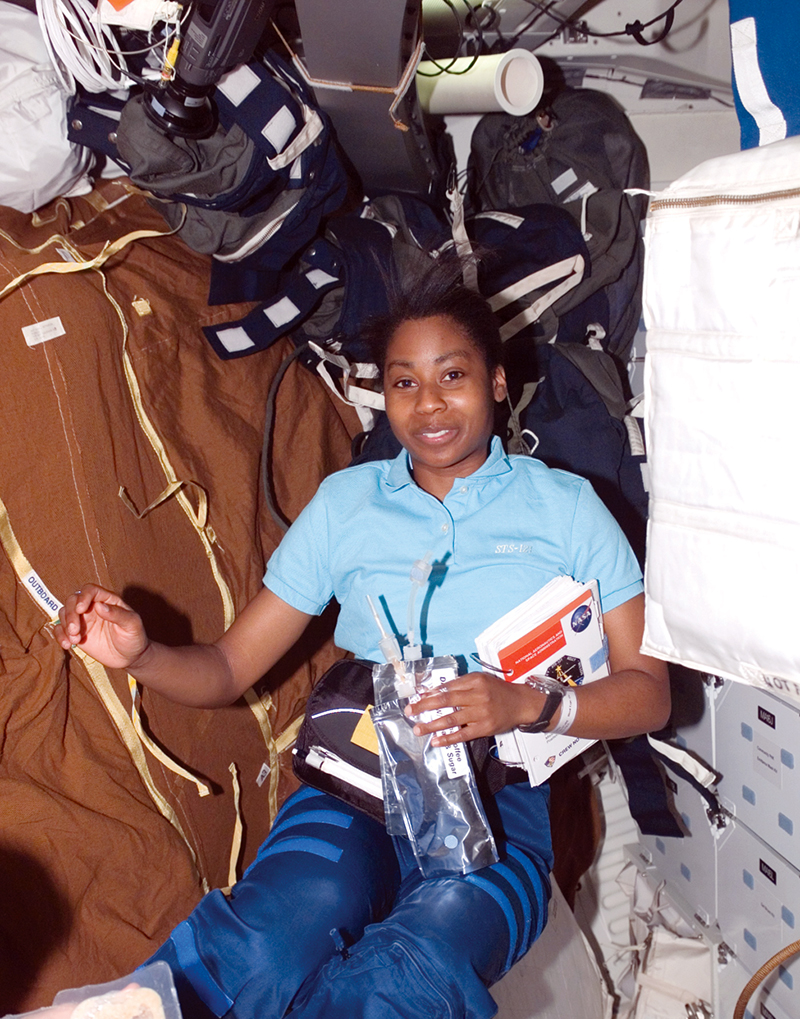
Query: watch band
x=555 y=692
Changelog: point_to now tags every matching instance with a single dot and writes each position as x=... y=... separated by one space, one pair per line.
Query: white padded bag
x=722 y=401
x=38 y=163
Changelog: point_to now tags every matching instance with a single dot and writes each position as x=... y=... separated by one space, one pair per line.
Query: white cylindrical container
x=511 y=82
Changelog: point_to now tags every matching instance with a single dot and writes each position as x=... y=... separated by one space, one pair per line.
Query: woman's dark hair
x=428 y=288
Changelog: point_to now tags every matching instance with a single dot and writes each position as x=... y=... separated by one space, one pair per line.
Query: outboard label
x=40 y=594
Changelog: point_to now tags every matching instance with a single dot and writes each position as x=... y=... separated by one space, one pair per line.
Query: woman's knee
x=322 y=869
x=326 y=852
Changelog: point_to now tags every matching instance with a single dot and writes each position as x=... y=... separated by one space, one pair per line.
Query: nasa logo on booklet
x=581 y=618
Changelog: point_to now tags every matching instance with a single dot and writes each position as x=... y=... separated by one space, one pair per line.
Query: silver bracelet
x=569 y=709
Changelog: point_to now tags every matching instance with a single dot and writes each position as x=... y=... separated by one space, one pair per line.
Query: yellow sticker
x=364 y=734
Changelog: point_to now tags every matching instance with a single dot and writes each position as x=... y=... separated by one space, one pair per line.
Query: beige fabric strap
x=63 y=268
x=311 y=130
x=153 y=747
x=535 y=310
x=363 y=400
x=699 y=771
x=200 y=516
x=571 y=267
x=175 y=486
x=260 y=707
x=469 y=267
x=238 y=828
x=289 y=735
x=61 y=205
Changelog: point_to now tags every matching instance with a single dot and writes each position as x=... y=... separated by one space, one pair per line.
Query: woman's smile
x=435 y=434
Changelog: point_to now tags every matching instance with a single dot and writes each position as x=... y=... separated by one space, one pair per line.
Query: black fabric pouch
x=334 y=709
x=326 y=758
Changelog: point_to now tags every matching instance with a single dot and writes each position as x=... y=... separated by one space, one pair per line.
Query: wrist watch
x=555 y=691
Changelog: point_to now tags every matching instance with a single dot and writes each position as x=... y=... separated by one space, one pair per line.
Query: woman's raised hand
x=101 y=624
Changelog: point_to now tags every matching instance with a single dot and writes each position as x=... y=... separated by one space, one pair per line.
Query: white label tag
x=263 y=775
x=454 y=756
x=563 y=181
x=319 y=278
x=45 y=598
x=39 y=332
x=455 y=759
x=767 y=760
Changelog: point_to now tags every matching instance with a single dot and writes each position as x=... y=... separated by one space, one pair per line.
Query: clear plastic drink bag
x=430 y=795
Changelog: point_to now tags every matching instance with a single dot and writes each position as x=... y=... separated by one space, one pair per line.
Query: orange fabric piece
x=98 y=875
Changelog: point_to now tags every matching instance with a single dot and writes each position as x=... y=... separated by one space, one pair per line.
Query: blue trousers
x=334 y=920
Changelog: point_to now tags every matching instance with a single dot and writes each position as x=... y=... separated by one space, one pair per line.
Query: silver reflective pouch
x=430 y=794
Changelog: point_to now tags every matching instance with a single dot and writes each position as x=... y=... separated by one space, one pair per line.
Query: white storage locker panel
x=732 y=978
x=759 y=909
x=688 y=865
x=758 y=755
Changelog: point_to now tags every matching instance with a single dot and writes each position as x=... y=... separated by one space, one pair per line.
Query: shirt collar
x=496 y=463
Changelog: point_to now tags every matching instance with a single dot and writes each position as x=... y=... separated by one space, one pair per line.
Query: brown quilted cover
x=94 y=875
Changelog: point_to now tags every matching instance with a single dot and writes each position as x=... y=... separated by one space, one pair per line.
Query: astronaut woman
x=333 y=919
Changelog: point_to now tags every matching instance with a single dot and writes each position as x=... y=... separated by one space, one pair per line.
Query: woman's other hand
x=101 y=624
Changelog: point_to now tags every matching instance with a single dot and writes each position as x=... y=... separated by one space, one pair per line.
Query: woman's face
x=440 y=400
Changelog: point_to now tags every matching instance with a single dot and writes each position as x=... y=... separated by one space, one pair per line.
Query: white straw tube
x=511 y=82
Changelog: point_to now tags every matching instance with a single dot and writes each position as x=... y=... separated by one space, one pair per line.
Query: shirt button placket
x=447 y=531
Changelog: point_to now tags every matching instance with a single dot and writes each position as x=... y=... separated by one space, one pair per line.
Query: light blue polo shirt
x=500 y=535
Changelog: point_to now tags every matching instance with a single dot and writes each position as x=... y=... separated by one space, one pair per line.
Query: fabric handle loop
x=200 y=515
x=312 y=129
x=566 y=267
x=699 y=771
x=541 y=304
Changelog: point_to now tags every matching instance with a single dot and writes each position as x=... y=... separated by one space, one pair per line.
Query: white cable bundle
x=81 y=48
